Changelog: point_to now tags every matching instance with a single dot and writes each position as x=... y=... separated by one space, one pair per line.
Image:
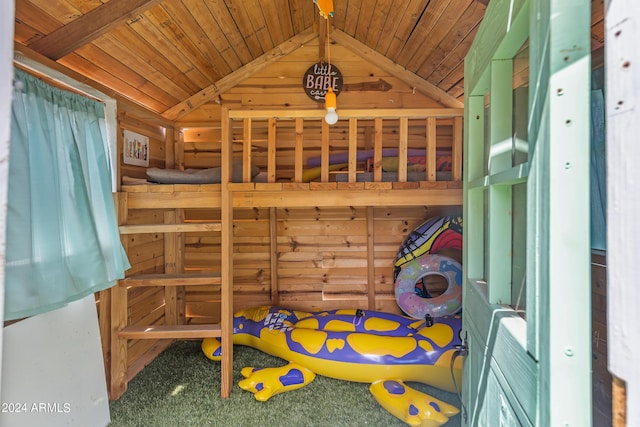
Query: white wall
x=623 y=191
x=53 y=371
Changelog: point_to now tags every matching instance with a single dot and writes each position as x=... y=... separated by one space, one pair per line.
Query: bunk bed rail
x=356 y=124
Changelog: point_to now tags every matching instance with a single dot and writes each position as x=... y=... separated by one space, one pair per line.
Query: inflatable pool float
x=383 y=349
x=410 y=299
x=432 y=236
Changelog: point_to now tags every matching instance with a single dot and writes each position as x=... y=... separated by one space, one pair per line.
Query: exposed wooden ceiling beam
x=321 y=24
x=231 y=80
x=394 y=69
x=89 y=27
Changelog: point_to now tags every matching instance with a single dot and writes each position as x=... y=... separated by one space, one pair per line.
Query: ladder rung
x=184 y=279
x=170 y=228
x=171 y=331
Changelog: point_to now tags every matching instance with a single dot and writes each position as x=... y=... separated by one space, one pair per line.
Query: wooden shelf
x=171 y=331
x=185 y=279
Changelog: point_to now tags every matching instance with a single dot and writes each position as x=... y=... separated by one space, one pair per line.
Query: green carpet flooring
x=181 y=387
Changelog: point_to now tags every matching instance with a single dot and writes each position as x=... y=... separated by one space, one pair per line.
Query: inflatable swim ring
x=414 y=305
x=430 y=237
x=383 y=349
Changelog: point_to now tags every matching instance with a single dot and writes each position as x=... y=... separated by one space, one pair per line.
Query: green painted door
x=526 y=216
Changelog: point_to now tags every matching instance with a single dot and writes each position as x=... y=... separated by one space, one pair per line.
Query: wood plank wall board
x=601 y=377
x=146 y=306
x=280 y=84
x=157 y=140
x=142 y=359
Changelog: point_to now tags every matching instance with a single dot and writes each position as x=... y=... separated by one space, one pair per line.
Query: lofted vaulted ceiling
x=174 y=55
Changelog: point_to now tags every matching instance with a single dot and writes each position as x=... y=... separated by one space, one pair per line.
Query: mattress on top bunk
x=196 y=176
x=393 y=176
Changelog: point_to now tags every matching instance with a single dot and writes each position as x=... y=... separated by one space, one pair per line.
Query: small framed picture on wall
x=136 y=149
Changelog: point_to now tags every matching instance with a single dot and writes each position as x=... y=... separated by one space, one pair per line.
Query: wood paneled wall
x=160 y=136
x=279 y=85
x=318 y=258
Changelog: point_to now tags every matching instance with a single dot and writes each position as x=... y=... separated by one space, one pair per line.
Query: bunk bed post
x=226 y=289
x=456 y=154
x=377 y=150
x=104 y=323
x=246 y=150
x=324 y=153
x=353 y=148
x=371 y=259
x=431 y=149
x=403 y=145
x=173 y=265
x=181 y=292
x=271 y=150
x=299 y=149
x=172 y=148
x=104 y=316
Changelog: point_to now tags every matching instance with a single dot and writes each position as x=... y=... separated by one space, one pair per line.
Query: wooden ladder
x=172 y=279
x=171 y=331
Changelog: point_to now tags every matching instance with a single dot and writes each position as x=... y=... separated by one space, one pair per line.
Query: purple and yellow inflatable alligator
x=383 y=349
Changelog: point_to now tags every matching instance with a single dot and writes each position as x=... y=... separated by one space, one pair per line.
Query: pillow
x=187 y=176
x=197 y=176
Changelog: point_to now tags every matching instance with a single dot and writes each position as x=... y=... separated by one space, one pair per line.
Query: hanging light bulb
x=330 y=104
x=326 y=10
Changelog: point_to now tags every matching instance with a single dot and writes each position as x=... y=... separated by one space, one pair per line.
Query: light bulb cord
x=331 y=116
x=328 y=44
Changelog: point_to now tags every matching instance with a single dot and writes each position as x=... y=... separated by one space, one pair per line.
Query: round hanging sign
x=318 y=78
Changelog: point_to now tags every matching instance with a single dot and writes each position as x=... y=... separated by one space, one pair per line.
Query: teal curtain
x=62 y=236
x=598 y=162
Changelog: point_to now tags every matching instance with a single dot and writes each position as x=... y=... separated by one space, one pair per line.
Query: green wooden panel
x=500 y=106
x=560 y=41
x=502 y=18
x=473 y=236
x=534 y=371
x=499 y=274
x=497 y=339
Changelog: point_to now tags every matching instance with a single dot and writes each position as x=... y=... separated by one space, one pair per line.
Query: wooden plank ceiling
x=174 y=55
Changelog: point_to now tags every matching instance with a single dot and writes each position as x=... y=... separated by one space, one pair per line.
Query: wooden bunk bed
x=281 y=143
x=257 y=137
